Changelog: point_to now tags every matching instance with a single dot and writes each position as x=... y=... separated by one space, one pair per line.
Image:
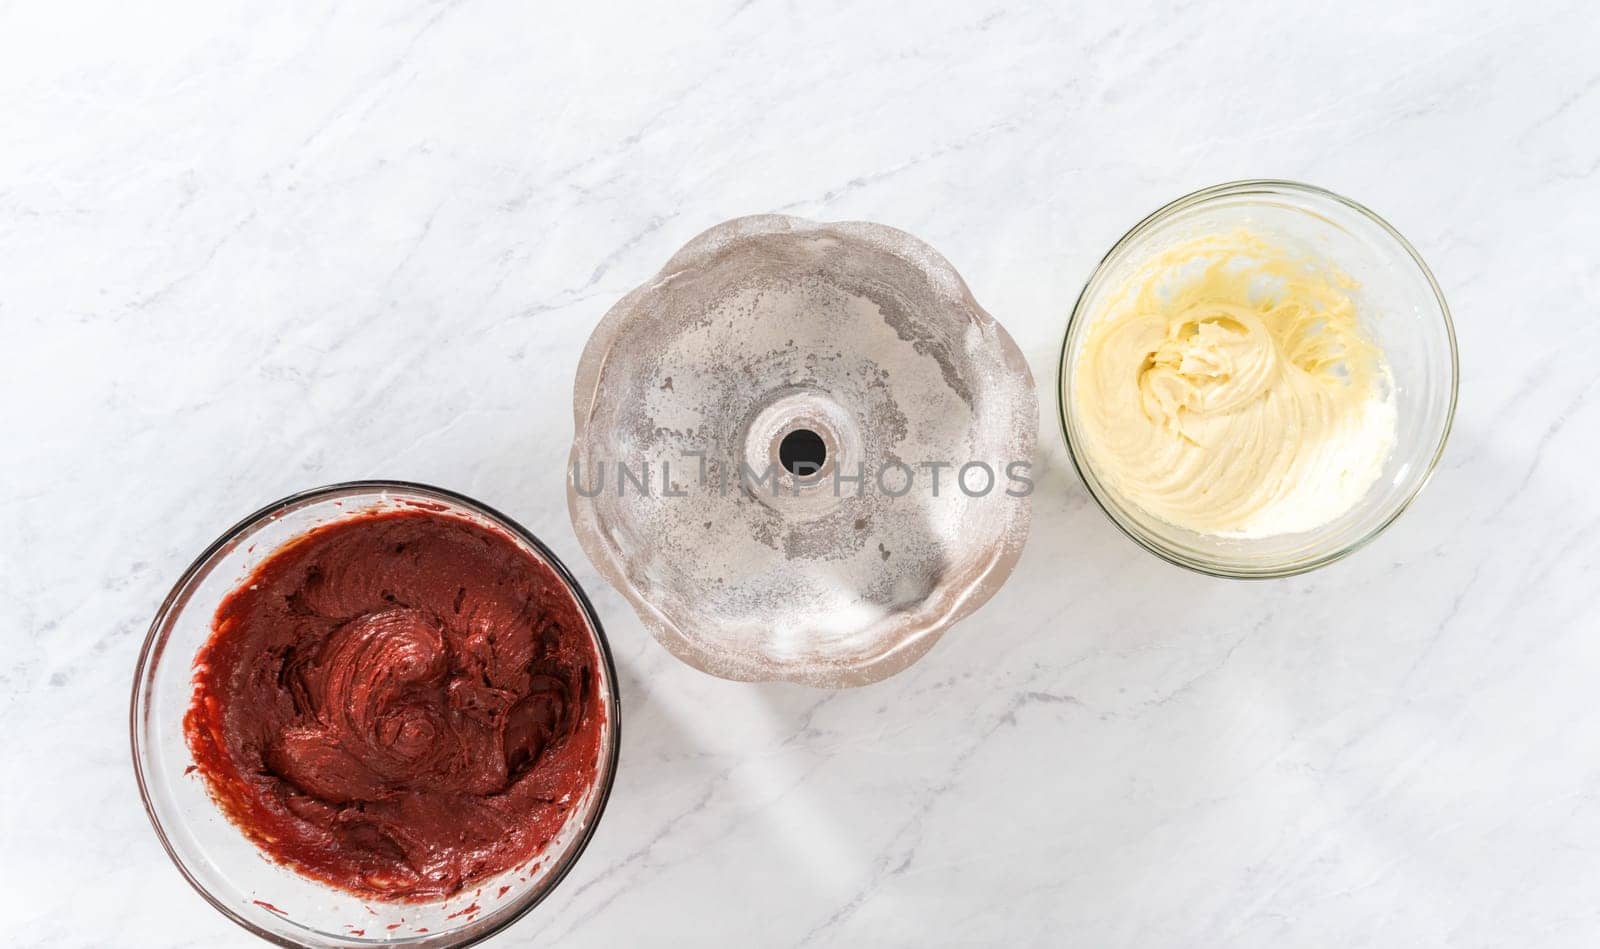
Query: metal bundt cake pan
x=801 y=451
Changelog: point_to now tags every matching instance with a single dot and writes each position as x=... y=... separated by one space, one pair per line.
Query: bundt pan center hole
x=802 y=453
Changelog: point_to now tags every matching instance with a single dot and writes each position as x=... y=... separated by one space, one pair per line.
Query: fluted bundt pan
x=759 y=429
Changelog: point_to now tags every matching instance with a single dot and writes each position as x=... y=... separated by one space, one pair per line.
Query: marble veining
x=253 y=247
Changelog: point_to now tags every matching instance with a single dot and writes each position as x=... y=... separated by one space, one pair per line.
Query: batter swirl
x=399 y=704
x=1228 y=388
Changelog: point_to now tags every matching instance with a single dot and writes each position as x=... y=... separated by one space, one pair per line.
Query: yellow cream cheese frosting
x=1228 y=388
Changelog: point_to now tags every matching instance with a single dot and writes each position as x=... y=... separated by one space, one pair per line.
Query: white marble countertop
x=247 y=251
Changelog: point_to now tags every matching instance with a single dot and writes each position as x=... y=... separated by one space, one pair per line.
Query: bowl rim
x=177 y=598
x=1113 y=510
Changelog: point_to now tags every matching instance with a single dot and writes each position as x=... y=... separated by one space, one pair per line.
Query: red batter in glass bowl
x=396 y=696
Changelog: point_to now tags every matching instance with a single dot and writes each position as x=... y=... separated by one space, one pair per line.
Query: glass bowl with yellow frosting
x=1258 y=379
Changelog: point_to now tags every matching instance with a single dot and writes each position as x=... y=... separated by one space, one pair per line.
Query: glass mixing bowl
x=1401 y=310
x=272 y=901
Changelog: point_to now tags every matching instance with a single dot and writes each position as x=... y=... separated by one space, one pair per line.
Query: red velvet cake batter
x=399 y=704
